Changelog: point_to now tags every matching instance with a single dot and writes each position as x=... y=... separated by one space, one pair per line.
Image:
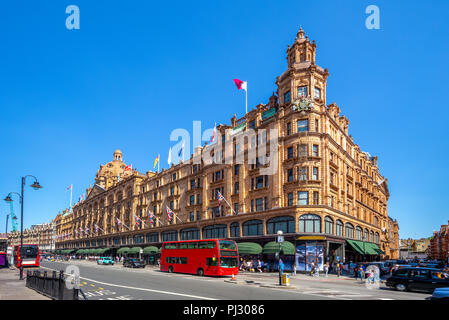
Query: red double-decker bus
x=26 y=255
x=212 y=257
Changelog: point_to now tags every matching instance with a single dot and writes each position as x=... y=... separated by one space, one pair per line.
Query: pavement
x=12 y=288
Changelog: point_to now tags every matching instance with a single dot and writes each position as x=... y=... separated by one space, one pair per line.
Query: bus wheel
x=170 y=269
x=200 y=272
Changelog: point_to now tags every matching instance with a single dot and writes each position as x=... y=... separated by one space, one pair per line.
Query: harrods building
x=326 y=194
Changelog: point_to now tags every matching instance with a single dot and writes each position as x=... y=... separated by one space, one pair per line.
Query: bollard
x=53 y=284
x=44 y=284
x=61 y=285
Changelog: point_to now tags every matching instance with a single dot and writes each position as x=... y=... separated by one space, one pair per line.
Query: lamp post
x=35 y=186
x=280 y=239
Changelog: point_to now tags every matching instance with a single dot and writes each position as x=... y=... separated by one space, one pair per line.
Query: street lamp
x=35 y=186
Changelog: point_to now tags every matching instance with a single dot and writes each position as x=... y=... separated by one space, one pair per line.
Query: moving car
x=133 y=263
x=440 y=294
x=105 y=260
x=418 y=279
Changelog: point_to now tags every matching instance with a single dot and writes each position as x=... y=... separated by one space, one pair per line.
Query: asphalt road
x=118 y=283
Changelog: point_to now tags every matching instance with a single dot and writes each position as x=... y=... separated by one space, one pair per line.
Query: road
x=118 y=283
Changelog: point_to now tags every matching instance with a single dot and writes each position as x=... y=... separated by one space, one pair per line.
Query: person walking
x=361 y=270
x=281 y=266
x=294 y=268
x=338 y=268
x=326 y=268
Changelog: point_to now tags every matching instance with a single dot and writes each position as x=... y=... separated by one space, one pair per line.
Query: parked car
x=440 y=294
x=418 y=279
x=133 y=263
x=105 y=260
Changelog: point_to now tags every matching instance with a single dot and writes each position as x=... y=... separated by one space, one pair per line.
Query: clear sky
x=136 y=70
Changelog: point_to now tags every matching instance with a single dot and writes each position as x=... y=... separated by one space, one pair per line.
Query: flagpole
x=71 y=189
x=158 y=160
x=246 y=99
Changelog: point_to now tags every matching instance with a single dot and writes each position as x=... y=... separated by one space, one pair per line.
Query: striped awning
x=249 y=248
x=273 y=247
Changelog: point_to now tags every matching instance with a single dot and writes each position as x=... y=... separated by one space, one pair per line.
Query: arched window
x=252 y=228
x=376 y=221
x=339 y=228
x=190 y=234
x=376 y=239
x=235 y=229
x=358 y=233
x=349 y=231
x=310 y=223
x=285 y=224
x=328 y=225
x=215 y=231
x=366 y=235
x=169 y=236
x=371 y=236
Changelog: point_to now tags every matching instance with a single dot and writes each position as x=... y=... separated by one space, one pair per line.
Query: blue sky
x=136 y=70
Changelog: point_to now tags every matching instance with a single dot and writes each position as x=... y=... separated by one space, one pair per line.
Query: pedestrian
x=361 y=270
x=259 y=265
x=326 y=268
x=317 y=270
x=281 y=266
x=338 y=268
x=294 y=268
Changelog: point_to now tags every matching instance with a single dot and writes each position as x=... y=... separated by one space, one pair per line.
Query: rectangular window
x=289 y=175
x=236 y=188
x=303 y=198
x=290 y=153
x=303 y=125
x=290 y=199
x=287 y=97
x=236 y=169
x=289 y=128
x=192 y=200
x=316 y=197
x=317 y=93
x=332 y=178
x=259 y=204
x=191 y=216
x=265 y=203
x=302 y=174
x=302 y=150
x=315 y=150
x=302 y=91
x=317 y=127
x=315 y=173
x=259 y=182
x=236 y=208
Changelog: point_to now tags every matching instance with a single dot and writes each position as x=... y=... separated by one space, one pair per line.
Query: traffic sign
x=280 y=239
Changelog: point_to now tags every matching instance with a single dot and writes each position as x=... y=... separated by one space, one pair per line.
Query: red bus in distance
x=26 y=256
x=211 y=257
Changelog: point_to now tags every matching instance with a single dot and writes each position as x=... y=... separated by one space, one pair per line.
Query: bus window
x=171 y=260
x=170 y=246
x=228 y=262
x=211 y=261
x=193 y=245
x=210 y=244
x=183 y=260
x=227 y=245
x=202 y=245
x=183 y=245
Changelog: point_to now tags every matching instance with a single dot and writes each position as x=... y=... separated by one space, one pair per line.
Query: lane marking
x=145 y=289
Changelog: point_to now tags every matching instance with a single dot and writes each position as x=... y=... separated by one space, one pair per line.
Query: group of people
x=252 y=265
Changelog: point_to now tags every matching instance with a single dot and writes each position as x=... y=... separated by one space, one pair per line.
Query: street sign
x=280 y=239
x=141 y=251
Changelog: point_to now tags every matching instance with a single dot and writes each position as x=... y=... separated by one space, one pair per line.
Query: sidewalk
x=11 y=288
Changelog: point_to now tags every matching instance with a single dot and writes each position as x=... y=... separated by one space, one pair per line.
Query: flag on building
x=220 y=199
x=240 y=84
x=156 y=161
x=137 y=221
x=87 y=230
x=130 y=167
x=70 y=187
x=150 y=217
x=170 y=214
x=213 y=135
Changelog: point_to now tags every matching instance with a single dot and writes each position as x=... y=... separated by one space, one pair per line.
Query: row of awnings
x=365 y=248
x=269 y=248
x=99 y=251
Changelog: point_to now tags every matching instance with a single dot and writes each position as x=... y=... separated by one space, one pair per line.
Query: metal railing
x=52 y=286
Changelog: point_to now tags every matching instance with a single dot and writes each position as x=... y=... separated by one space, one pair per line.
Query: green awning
x=249 y=248
x=356 y=245
x=376 y=249
x=101 y=250
x=273 y=247
x=150 y=250
x=365 y=247
x=123 y=250
x=81 y=251
x=134 y=250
